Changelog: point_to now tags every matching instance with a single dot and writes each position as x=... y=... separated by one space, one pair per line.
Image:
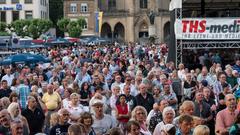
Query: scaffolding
x=178 y=42
x=200 y=44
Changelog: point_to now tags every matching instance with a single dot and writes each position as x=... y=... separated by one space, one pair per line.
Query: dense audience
x=118 y=90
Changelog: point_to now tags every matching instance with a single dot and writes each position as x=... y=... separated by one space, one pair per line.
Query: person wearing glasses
x=62 y=126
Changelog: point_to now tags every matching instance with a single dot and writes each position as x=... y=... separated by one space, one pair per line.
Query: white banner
x=207 y=29
x=175 y=4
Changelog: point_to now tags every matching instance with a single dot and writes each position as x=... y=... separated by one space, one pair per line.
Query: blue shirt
x=23 y=91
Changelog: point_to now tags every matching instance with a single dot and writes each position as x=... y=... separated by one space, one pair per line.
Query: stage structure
x=206 y=24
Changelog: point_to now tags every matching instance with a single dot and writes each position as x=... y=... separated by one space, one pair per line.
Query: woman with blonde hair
x=187 y=107
x=54 y=118
x=201 y=130
x=139 y=114
x=14 y=111
x=75 y=108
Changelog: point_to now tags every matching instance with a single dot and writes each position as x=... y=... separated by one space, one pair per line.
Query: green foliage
x=38 y=27
x=2 y=33
x=55 y=10
x=3 y=26
x=74 y=28
x=33 y=28
x=20 y=27
x=63 y=24
x=56 y=13
x=81 y=22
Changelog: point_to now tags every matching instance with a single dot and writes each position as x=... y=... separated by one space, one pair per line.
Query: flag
x=96 y=22
x=100 y=15
x=175 y=4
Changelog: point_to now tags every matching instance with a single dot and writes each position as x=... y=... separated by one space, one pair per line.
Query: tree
x=74 y=28
x=81 y=22
x=33 y=28
x=63 y=24
x=20 y=27
x=3 y=26
x=38 y=27
x=56 y=13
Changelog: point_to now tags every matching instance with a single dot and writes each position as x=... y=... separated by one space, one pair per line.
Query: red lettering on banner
x=193 y=26
x=202 y=25
x=185 y=23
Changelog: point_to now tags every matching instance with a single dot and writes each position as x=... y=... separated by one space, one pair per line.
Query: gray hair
x=167 y=109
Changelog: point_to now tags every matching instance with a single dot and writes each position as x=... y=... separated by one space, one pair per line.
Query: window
x=2 y=1
x=28 y=14
x=73 y=7
x=41 y=2
x=45 y=15
x=15 y=1
x=15 y=15
x=143 y=3
x=85 y=27
x=84 y=7
x=112 y=4
x=2 y=16
x=28 y=1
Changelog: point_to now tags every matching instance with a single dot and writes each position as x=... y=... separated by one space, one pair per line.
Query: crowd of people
x=118 y=90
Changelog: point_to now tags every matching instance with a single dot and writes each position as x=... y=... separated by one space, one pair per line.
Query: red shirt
x=123 y=110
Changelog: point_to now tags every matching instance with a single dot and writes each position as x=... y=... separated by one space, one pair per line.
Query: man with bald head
x=144 y=98
x=226 y=117
x=52 y=100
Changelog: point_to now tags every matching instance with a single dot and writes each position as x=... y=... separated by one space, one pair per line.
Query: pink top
x=225 y=119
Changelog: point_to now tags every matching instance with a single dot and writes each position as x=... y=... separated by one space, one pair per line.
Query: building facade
x=122 y=20
x=74 y=9
x=11 y=10
x=129 y=20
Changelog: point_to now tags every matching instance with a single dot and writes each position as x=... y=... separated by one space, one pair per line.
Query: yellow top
x=51 y=101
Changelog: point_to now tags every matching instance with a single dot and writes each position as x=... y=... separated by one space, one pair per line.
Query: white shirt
x=133 y=90
x=8 y=78
x=181 y=74
x=103 y=125
x=158 y=128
